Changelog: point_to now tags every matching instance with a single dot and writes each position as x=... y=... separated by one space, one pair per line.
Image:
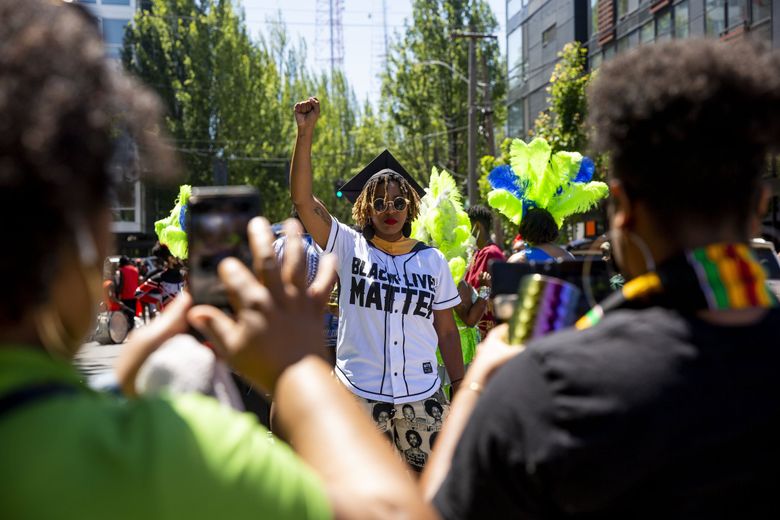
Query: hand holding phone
x=218 y=217
x=278 y=320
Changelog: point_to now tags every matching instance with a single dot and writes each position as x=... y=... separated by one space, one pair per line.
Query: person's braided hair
x=64 y=110
x=361 y=211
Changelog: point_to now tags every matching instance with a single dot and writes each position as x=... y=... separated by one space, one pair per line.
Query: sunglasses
x=398 y=203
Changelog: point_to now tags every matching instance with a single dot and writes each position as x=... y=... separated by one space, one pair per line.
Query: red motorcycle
x=151 y=299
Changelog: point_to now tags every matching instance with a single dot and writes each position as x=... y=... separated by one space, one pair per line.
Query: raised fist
x=306 y=113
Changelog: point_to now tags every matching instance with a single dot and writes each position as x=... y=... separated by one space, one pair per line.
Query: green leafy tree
x=502 y=227
x=563 y=123
x=424 y=102
x=230 y=100
x=219 y=88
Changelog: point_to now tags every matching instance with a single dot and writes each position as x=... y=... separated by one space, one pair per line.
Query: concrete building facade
x=113 y=16
x=538 y=29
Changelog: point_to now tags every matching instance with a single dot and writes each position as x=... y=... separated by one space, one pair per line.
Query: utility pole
x=487 y=110
x=472 y=141
x=332 y=42
x=329 y=38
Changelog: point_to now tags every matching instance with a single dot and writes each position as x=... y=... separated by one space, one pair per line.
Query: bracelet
x=475 y=387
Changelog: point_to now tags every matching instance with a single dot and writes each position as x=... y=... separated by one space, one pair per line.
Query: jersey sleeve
x=209 y=461
x=341 y=240
x=447 y=295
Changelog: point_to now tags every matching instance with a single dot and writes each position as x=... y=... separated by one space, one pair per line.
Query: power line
x=271 y=22
x=293 y=10
x=208 y=152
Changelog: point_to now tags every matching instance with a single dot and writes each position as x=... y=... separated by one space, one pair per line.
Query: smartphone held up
x=217 y=220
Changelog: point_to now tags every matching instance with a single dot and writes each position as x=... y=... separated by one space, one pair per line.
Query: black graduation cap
x=384 y=161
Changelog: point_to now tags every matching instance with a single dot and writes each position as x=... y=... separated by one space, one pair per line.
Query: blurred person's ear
x=761 y=209
x=627 y=221
x=621 y=212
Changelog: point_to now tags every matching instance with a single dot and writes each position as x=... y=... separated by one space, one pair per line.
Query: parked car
x=586 y=247
x=767 y=256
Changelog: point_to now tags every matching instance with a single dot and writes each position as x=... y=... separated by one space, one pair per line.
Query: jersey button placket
x=396 y=352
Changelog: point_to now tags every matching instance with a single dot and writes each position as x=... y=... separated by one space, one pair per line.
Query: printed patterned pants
x=411 y=427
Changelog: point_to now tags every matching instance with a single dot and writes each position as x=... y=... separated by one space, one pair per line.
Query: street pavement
x=93 y=358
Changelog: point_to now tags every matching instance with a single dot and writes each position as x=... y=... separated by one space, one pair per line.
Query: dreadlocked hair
x=361 y=211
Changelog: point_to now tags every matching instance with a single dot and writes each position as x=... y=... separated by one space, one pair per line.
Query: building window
x=516 y=119
x=126 y=207
x=681 y=20
x=114 y=30
x=625 y=7
x=647 y=33
x=115 y=2
x=663 y=26
x=736 y=13
x=516 y=59
x=126 y=195
x=594 y=16
x=114 y=34
x=548 y=35
x=715 y=17
x=762 y=9
x=622 y=8
x=512 y=8
x=721 y=15
x=609 y=52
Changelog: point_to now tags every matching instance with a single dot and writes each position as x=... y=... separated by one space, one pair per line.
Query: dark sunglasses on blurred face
x=398 y=203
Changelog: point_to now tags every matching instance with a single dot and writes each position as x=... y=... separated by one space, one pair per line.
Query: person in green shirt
x=67 y=451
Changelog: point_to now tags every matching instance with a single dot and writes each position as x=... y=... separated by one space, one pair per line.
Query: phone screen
x=218 y=219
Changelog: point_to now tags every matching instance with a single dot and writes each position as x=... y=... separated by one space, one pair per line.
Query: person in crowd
x=68 y=451
x=382 y=413
x=414 y=456
x=312 y=256
x=127 y=284
x=410 y=419
x=539 y=231
x=662 y=402
x=478 y=273
x=435 y=412
x=331 y=323
x=468 y=315
x=397 y=294
x=171 y=278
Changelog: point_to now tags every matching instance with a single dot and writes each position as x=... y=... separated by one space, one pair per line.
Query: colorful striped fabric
x=728 y=275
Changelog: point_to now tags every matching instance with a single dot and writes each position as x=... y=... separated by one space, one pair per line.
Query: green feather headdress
x=536 y=178
x=172 y=231
x=443 y=223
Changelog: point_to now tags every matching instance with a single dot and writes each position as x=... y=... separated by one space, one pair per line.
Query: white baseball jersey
x=386 y=341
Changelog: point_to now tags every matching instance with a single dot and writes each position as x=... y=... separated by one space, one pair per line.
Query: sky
x=362 y=32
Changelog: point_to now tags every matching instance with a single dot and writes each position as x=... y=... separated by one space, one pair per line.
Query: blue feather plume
x=503 y=177
x=183 y=216
x=587 y=168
